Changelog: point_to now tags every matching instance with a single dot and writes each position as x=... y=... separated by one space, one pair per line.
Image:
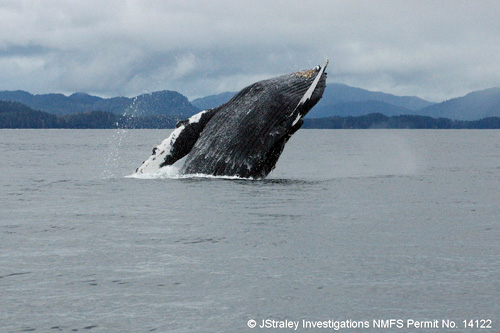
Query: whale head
x=315 y=81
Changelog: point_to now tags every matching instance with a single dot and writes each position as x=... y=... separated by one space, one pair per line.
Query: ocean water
x=352 y=225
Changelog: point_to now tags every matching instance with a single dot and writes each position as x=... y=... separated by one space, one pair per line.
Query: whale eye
x=317 y=68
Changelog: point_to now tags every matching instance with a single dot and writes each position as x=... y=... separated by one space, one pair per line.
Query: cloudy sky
x=432 y=49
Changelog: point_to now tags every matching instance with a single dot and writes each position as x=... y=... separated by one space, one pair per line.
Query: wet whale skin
x=245 y=136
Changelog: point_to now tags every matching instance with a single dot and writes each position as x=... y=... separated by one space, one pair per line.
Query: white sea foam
x=202 y=175
x=173 y=172
x=170 y=171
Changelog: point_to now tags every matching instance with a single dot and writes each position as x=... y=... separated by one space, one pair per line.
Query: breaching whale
x=245 y=136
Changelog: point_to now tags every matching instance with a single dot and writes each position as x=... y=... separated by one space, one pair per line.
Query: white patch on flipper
x=164 y=149
x=196 y=118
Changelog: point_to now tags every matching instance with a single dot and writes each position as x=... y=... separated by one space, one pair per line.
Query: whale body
x=245 y=136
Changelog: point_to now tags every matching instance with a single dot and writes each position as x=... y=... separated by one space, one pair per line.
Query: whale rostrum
x=245 y=136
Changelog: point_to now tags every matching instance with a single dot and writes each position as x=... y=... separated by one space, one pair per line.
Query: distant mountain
x=212 y=101
x=116 y=105
x=18 y=115
x=339 y=93
x=157 y=103
x=338 y=98
x=358 y=109
x=84 y=98
x=52 y=103
x=473 y=106
x=161 y=103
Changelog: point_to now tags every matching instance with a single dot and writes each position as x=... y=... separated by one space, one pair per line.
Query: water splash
x=114 y=157
x=167 y=172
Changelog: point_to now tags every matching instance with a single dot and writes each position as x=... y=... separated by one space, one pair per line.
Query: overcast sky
x=432 y=49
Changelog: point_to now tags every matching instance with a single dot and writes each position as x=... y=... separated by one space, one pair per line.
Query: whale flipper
x=178 y=144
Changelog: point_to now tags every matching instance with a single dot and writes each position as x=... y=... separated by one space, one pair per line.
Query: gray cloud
x=432 y=49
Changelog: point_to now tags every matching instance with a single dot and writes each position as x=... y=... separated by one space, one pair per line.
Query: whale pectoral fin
x=179 y=143
x=187 y=133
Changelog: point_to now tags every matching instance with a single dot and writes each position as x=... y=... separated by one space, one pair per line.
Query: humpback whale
x=245 y=136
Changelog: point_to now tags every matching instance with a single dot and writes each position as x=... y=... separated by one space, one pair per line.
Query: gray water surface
x=352 y=224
